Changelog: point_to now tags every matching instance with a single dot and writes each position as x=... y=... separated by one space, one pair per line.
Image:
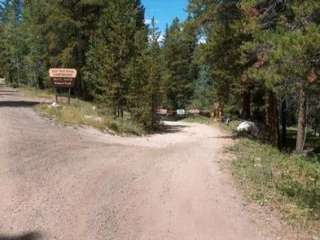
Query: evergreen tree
x=115 y=49
x=294 y=38
x=179 y=71
x=12 y=42
x=153 y=67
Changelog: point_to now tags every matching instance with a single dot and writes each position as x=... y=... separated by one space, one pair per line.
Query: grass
x=37 y=93
x=197 y=119
x=232 y=126
x=82 y=113
x=85 y=113
x=290 y=183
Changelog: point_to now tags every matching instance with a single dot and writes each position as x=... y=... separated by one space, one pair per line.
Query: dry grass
x=37 y=93
x=85 y=113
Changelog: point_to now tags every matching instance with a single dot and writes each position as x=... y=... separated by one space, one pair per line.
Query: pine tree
x=154 y=73
x=179 y=72
x=12 y=42
x=114 y=49
x=294 y=38
x=222 y=51
x=34 y=59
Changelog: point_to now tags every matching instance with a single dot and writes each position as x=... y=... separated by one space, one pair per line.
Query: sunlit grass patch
x=84 y=113
x=290 y=183
x=197 y=119
x=38 y=93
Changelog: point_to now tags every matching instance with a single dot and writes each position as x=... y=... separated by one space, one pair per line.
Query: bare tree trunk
x=246 y=105
x=272 y=119
x=284 y=123
x=302 y=121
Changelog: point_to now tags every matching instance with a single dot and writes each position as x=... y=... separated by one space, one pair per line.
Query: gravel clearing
x=69 y=183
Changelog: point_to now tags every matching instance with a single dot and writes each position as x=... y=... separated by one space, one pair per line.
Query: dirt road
x=77 y=184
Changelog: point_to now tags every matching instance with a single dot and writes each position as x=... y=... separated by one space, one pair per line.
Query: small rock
x=54 y=105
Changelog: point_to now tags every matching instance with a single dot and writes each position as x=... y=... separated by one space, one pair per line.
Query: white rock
x=54 y=105
x=248 y=127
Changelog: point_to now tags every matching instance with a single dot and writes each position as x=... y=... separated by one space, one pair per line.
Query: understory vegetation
x=80 y=112
x=85 y=113
x=37 y=93
x=290 y=183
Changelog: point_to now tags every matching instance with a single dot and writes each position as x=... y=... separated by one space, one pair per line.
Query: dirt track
x=78 y=184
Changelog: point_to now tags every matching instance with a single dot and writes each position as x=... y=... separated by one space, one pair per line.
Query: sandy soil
x=77 y=184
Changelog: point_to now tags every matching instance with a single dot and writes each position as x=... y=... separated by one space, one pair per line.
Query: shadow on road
x=8 y=93
x=7 y=90
x=232 y=137
x=165 y=129
x=14 y=103
x=24 y=236
x=18 y=104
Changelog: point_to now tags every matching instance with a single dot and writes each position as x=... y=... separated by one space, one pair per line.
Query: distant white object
x=162 y=111
x=181 y=112
x=194 y=111
x=54 y=105
x=2 y=80
x=248 y=127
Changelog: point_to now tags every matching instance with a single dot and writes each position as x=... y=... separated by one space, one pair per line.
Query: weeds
x=198 y=119
x=84 y=113
x=289 y=182
x=38 y=93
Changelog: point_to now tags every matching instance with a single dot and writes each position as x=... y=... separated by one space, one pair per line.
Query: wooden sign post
x=63 y=78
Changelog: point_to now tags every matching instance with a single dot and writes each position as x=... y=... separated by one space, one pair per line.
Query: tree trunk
x=272 y=119
x=302 y=121
x=284 y=124
x=246 y=105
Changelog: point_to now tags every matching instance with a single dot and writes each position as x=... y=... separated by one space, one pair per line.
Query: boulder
x=248 y=128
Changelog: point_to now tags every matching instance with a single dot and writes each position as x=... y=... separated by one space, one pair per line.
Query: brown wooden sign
x=63 y=77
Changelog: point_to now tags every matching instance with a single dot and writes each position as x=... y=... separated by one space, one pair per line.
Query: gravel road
x=64 y=183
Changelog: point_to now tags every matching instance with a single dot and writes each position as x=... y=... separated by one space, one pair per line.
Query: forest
x=258 y=60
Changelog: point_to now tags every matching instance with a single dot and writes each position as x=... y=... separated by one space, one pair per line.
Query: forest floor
x=77 y=183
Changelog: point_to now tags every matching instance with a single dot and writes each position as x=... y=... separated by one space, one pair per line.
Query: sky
x=165 y=11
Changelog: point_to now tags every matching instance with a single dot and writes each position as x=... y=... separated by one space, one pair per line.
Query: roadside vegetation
x=198 y=119
x=80 y=112
x=289 y=183
x=85 y=113
x=36 y=92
